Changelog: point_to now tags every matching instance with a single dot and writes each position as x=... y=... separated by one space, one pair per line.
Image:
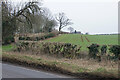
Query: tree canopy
x=26 y=17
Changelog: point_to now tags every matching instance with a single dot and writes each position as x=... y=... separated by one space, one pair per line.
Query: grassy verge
x=79 y=68
x=8 y=47
x=57 y=66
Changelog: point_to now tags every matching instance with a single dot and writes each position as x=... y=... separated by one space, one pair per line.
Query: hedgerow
x=37 y=38
x=64 y=49
x=113 y=53
x=8 y=40
x=115 y=49
x=68 y=50
x=93 y=50
x=103 y=49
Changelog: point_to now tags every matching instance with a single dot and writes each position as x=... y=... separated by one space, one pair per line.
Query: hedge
x=116 y=50
x=103 y=49
x=63 y=49
x=37 y=38
x=94 y=51
x=68 y=50
x=8 y=40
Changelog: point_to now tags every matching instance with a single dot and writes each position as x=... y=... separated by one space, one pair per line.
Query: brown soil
x=81 y=38
x=87 y=39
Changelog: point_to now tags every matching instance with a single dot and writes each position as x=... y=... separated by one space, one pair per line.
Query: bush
x=61 y=32
x=93 y=50
x=21 y=38
x=103 y=49
x=116 y=50
x=49 y=35
x=9 y=40
x=28 y=38
x=46 y=36
x=63 y=49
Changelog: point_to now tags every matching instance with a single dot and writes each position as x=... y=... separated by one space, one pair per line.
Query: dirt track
x=85 y=38
x=81 y=38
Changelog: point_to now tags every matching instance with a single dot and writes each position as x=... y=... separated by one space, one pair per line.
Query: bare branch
x=63 y=21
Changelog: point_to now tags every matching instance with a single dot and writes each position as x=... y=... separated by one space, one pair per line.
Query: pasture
x=85 y=40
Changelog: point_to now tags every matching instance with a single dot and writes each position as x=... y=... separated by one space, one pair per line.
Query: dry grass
x=74 y=65
x=0 y=53
x=90 y=64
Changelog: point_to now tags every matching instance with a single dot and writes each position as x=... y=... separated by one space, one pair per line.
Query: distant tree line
x=106 y=34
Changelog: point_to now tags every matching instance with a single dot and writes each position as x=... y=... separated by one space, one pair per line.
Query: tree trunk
x=60 y=28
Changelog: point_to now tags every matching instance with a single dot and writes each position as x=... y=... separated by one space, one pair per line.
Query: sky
x=92 y=16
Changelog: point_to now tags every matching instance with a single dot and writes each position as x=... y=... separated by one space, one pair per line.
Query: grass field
x=86 y=40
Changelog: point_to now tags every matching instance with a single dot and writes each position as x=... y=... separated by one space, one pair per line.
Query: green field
x=76 y=39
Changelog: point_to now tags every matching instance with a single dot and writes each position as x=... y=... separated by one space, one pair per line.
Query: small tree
x=71 y=29
x=63 y=20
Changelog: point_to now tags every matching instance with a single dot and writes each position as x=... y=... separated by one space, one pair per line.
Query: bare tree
x=49 y=21
x=12 y=15
x=71 y=29
x=63 y=20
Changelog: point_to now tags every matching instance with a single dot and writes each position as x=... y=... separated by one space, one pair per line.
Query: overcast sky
x=93 y=16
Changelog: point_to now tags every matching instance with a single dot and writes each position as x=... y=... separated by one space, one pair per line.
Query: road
x=13 y=71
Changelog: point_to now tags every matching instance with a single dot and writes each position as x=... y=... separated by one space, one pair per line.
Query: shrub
x=9 y=40
x=37 y=38
x=28 y=38
x=51 y=35
x=55 y=32
x=21 y=38
x=116 y=50
x=63 y=49
x=93 y=50
x=103 y=49
x=22 y=46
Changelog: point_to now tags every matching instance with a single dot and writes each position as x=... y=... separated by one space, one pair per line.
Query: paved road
x=12 y=71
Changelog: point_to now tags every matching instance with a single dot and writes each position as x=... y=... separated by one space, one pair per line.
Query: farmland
x=85 y=40
x=51 y=55
x=34 y=37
